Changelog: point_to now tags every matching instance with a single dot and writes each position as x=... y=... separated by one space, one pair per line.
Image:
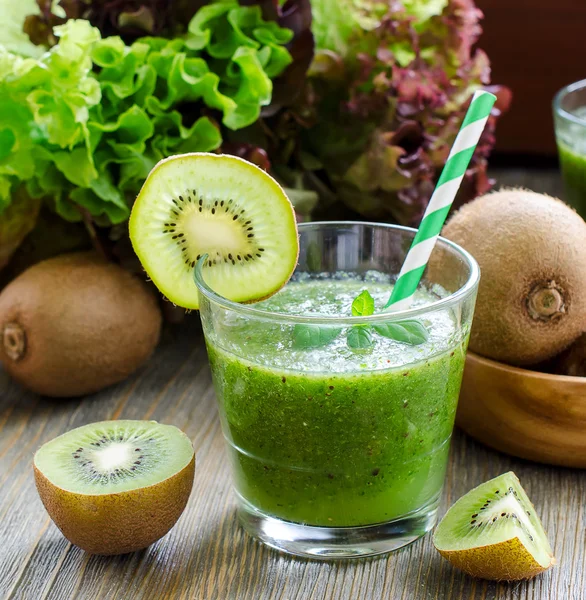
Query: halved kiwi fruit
x=493 y=533
x=116 y=486
x=221 y=206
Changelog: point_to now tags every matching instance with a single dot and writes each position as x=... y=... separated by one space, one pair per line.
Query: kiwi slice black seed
x=493 y=532
x=116 y=486
x=199 y=204
x=114 y=456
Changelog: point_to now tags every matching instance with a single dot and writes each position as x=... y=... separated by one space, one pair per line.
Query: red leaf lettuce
x=389 y=87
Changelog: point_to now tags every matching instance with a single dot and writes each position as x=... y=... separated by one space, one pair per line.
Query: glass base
x=336 y=542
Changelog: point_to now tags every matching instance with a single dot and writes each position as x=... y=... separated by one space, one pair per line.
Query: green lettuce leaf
x=12 y=36
x=84 y=123
x=342 y=26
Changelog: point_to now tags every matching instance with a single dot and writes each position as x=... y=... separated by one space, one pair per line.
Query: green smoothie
x=573 y=165
x=332 y=436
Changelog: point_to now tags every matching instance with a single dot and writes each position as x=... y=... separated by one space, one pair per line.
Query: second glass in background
x=569 y=111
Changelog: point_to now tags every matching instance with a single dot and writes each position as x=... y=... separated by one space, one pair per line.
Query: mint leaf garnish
x=313 y=336
x=359 y=337
x=363 y=304
x=411 y=332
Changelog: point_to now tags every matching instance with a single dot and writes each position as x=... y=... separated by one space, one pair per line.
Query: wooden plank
x=207 y=556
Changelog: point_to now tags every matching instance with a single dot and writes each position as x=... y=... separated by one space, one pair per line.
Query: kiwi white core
x=216 y=233
x=494 y=512
x=197 y=204
x=109 y=458
x=114 y=456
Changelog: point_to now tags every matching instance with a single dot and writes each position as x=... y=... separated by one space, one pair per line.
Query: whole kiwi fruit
x=531 y=249
x=75 y=324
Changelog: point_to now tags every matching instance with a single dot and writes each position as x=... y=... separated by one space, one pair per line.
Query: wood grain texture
x=207 y=556
x=537 y=416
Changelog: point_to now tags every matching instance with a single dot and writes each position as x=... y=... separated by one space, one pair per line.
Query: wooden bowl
x=538 y=416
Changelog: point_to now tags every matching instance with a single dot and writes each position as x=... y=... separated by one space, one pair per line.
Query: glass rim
x=400 y=315
x=561 y=94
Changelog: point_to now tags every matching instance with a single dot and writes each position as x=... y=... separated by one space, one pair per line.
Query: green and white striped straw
x=441 y=200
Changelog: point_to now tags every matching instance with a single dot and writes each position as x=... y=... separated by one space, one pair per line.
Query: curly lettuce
x=84 y=124
x=390 y=84
x=12 y=36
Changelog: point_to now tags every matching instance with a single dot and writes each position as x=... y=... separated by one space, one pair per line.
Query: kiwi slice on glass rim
x=115 y=486
x=199 y=204
x=493 y=532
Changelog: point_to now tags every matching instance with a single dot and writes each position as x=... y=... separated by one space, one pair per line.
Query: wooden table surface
x=206 y=556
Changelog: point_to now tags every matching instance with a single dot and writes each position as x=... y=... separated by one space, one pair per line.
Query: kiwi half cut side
x=116 y=486
x=493 y=533
x=199 y=204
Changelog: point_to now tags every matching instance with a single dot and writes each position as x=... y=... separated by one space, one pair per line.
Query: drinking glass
x=569 y=111
x=339 y=452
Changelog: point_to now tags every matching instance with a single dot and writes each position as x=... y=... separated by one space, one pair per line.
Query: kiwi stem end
x=14 y=341
x=546 y=302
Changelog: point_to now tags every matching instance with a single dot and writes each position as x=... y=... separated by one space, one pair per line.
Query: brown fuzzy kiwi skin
x=505 y=561
x=75 y=324
x=530 y=248
x=117 y=523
